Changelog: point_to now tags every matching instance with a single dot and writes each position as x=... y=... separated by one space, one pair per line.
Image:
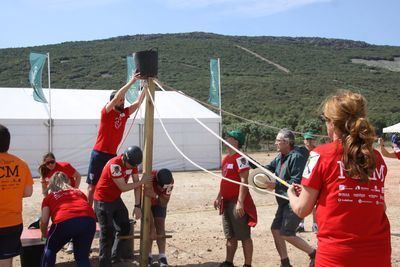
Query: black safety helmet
x=164 y=176
x=133 y=155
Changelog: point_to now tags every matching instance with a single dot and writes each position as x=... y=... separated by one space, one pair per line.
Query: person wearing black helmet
x=395 y=144
x=163 y=183
x=111 y=211
x=111 y=129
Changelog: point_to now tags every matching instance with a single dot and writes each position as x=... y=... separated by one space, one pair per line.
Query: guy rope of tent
x=160 y=84
x=200 y=167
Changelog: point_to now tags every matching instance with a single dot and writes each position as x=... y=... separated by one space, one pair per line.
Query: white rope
x=200 y=167
x=268 y=172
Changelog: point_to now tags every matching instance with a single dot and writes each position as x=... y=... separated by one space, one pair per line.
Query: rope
x=159 y=84
x=200 y=167
x=240 y=152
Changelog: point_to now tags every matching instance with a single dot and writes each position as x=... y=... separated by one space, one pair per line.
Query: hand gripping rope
x=200 y=167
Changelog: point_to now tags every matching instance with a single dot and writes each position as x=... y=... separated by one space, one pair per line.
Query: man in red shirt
x=112 y=125
x=395 y=144
x=163 y=183
x=235 y=202
x=111 y=211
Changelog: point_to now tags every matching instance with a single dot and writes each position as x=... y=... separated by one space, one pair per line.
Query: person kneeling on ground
x=163 y=183
x=111 y=211
x=235 y=203
x=72 y=218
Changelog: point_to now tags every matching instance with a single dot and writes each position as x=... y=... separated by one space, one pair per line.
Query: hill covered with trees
x=251 y=87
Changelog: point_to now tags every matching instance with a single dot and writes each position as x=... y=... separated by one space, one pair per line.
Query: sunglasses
x=50 y=162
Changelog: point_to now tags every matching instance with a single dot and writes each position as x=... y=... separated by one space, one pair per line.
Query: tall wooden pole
x=147 y=168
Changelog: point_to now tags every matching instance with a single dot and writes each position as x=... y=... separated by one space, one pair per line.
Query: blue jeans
x=81 y=230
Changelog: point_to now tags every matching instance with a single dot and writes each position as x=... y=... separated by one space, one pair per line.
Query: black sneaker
x=226 y=264
x=150 y=261
x=312 y=262
x=163 y=262
x=300 y=229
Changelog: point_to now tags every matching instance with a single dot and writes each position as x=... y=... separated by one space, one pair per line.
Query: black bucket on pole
x=147 y=63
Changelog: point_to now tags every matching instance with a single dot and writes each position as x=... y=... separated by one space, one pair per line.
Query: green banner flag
x=133 y=92
x=214 y=83
x=35 y=75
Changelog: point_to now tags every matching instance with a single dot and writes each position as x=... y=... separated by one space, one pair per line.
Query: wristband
x=137 y=206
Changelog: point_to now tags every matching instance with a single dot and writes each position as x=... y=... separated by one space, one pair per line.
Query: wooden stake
x=147 y=169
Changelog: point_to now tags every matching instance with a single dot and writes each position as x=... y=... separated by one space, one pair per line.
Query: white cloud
x=254 y=8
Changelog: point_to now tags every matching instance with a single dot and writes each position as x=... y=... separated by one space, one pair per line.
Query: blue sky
x=37 y=22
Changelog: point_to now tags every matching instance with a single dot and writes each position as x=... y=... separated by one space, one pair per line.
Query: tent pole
x=50 y=119
x=147 y=169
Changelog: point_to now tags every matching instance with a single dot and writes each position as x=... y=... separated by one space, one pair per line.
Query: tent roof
x=392 y=129
x=85 y=104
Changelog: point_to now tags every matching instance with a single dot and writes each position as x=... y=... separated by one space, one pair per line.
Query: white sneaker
x=315 y=228
x=70 y=248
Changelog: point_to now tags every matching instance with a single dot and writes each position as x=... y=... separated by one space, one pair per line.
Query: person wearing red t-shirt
x=72 y=218
x=345 y=179
x=235 y=203
x=160 y=193
x=49 y=166
x=112 y=125
x=111 y=211
x=396 y=147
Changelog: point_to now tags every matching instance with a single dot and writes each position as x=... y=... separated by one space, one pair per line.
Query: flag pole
x=220 y=112
x=50 y=120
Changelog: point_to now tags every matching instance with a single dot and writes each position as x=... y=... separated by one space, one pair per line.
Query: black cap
x=164 y=176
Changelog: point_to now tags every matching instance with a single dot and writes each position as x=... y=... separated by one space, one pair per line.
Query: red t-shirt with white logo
x=165 y=193
x=232 y=166
x=111 y=130
x=106 y=189
x=353 y=229
x=64 y=167
x=67 y=204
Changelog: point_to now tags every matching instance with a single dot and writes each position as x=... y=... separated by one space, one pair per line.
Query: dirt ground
x=197 y=237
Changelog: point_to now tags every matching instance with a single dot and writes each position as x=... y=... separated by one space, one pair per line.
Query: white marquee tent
x=392 y=129
x=76 y=115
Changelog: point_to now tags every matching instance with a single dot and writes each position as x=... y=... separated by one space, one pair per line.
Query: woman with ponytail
x=345 y=179
x=72 y=219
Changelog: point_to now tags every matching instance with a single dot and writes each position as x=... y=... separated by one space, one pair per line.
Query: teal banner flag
x=35 y=75
x=133 y=92
x=214 y=83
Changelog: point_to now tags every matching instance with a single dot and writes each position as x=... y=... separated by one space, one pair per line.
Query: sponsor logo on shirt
x=311 y=163
x=116 y=170
x=242 y=163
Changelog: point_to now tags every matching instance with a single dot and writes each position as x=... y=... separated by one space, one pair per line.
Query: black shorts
x=97 y=162
x=10 y=241
x=285 y=220
x=158 y=211
x=235 y=227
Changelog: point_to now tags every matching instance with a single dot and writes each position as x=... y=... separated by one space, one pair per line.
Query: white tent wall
x=76 y=117
x=29 y=140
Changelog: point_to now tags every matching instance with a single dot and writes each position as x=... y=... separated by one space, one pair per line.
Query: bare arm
x=124 y=186
x=121 y=93
x=28 y=190
x=77 y=177
x=44 y=221
x=44 y=187
x=384 y=151
x=303 y=204
x=243 y=191
x=135 y=105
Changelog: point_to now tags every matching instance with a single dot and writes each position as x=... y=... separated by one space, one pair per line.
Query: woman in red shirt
x=49 y=166
x=72 y=218
x=345 y=179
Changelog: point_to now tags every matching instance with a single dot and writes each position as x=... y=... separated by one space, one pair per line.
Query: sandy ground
x=196 y=227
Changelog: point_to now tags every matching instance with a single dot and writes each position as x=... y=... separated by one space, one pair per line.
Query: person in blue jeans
x=72 y=219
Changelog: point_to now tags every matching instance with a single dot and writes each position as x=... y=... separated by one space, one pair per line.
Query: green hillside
x=251 y=87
